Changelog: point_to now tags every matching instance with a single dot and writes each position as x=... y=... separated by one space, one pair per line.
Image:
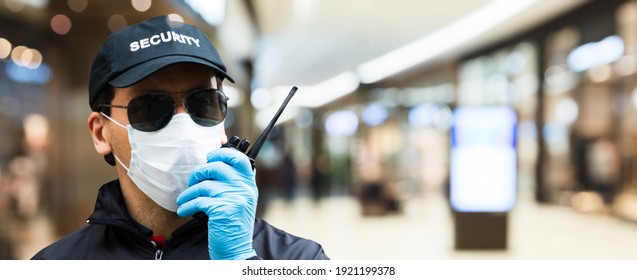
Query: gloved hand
x=226 y=191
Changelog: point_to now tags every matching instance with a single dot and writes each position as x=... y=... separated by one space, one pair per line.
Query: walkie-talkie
x=242 y=145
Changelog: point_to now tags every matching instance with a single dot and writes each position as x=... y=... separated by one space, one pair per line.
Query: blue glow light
x=21 y=74
x=341 y=123
x=374 y=114
x=594 y=54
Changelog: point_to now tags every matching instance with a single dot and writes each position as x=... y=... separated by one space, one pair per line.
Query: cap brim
x=141 y=71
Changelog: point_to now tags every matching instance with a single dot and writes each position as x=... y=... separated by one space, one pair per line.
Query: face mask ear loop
x=110 y=119
x=120 y=162
x=114 y=121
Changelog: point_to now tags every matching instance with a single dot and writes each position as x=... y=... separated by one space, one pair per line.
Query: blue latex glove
x=224 y=189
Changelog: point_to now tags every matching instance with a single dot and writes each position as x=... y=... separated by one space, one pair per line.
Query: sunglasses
x=153 y=111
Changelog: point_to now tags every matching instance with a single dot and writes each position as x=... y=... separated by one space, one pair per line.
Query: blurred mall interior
x=368 y=158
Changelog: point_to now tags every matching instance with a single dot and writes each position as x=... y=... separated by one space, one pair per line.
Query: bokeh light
x=374 y=114
x=77 y=5
x=16 y=55
x=142 y=5
x=116 y=22
x=176 y=17
x=566 y=111
x=341 y=123
x=5 y=48
x=235 y=97
x=61 y=24
x=14 y=5
x=304 y=118
x=26 y=57
x=36 y=130
x=261 y=98
x=33 y=58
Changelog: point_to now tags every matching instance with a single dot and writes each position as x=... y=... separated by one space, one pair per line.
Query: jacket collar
x=110 y=209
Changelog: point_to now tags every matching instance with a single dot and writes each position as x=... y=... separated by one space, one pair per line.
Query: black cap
x=139 y=50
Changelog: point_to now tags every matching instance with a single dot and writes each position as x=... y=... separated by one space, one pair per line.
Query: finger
x=209 y=189
x=232 y=157
x=217 y=170
x=190 y=207
x=216 y=208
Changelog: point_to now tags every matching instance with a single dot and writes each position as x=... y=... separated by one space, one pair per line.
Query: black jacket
x=112 y=234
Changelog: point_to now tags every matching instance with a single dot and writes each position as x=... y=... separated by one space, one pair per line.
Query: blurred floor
x=425 y=231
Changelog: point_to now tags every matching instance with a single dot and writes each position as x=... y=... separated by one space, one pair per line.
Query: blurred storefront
x=588 y=81
x=394 y=139
x=572 y=82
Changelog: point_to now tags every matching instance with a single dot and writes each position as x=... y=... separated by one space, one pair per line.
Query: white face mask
x=161 y=160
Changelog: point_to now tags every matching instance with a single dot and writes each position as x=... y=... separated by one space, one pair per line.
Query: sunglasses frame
x=223 y=106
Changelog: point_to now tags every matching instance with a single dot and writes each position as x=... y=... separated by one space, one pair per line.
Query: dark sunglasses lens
x=150 y=112
x=207 y=107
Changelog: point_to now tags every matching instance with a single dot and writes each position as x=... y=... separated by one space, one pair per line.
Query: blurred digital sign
x=483 y=171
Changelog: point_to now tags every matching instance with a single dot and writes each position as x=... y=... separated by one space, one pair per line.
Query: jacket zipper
x=159 y=254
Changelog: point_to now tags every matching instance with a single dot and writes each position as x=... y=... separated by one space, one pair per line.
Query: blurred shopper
x=288 y=170
x=158 y=108
x=604 y=168
x=320 y=178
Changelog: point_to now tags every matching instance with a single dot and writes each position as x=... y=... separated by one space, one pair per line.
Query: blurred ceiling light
x=212 y=11
x=77 y=5
x=5 y=48
x=142 y=5
x=116 y=23
x=322 y=93
x=311 y=96
x=19 y=4
x=264 y=116
x=175 y=17
x=303 y=8
x=61 y=24
x=454 y=35
x=594 y=54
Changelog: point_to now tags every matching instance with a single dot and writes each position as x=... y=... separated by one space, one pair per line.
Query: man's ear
x=96 y=126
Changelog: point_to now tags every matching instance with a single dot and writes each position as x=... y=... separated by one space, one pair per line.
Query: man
x=158 y=108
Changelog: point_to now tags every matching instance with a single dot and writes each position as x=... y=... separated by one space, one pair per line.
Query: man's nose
x=180 y=107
